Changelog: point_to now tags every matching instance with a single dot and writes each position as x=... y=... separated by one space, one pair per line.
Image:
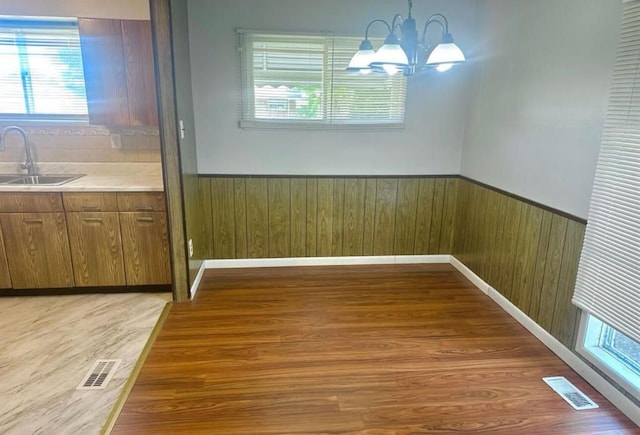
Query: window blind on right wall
x=608 y=282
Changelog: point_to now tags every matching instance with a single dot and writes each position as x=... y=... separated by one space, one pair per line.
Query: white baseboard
x=475 y=279
x=326 y=261
x=196 y=282
x=618 y=399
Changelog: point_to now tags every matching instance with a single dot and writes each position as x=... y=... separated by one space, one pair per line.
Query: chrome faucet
x=28 y=164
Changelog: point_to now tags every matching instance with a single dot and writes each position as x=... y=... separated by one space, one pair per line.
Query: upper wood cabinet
x=118 y=66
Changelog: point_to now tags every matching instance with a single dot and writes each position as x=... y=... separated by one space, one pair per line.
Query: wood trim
x=65 y=291
x=133 y=376
x=327 y=176
x=171 y=165
x=525 y=200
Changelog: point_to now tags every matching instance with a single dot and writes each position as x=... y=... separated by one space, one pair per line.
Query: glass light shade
x=391 y=54
x=361 y=59
x=446 y=52
x=392 y=70
x=444 y=67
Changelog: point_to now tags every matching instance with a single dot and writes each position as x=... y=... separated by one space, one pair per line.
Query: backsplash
x=85 y=144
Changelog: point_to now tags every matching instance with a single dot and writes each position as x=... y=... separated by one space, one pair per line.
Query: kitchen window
x=41 y=74
x=299 y=81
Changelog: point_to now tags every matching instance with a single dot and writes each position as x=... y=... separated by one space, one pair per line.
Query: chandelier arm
x=434 y=19
x=446 y=22
x=366 y=33
x=396 y=23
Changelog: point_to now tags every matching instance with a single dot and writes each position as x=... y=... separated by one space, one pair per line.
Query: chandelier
x=406 y=52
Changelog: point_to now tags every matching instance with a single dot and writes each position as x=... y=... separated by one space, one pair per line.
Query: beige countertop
x=99 y=177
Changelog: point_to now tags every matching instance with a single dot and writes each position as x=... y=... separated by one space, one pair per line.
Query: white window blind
x=41 y=75
x=300 y=80
x=608 y=282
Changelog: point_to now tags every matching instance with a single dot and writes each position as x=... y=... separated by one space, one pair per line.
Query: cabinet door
x=105 y=75
x=141 y=85
x=37 y=249
x=96 y=249
x=145 y=244
x=5 y=278
x=117 y=57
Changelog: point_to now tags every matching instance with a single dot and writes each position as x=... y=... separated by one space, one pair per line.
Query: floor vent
x=574 y=397
x=100 y=374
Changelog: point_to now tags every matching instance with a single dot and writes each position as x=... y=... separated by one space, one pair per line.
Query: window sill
x=286 y=125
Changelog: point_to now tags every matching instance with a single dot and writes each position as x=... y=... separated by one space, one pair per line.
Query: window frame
x=35 y=118
x=588 y=346
x=247 y=96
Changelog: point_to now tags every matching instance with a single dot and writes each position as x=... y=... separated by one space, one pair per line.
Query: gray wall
x=437 y=103
x=116 y=9
x=540 y=97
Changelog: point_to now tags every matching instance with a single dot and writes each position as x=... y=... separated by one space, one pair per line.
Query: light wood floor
x=360 y=349
x=48 y=345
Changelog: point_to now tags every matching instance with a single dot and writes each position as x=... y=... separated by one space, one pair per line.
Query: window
x=612 y=352
x=609 y=272
x=41 y=75
x=300 y=80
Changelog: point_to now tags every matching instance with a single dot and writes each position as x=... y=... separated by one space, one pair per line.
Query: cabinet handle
x=144 y=208
x=99 y=220
x=145 y=219
x=91 y=208
x=32 y=221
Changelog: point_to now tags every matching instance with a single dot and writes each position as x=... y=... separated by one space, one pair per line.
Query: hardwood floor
x=397 y=349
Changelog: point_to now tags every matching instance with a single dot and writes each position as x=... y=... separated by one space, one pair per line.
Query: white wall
x=541 y=95
x=116 y=9
x=436 y=108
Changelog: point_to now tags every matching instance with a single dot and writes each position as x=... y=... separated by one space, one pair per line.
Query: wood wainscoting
x=281 y=217
x=525 y=251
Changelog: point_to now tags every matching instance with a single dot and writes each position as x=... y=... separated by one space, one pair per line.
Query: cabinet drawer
x=30 y=202
x=141 y=202
x=90 y=202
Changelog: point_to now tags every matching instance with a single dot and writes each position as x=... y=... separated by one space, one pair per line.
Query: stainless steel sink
x=43 y=179
x=4 y=178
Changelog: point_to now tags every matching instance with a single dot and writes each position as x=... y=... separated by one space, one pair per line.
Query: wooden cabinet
x=111 y=239
x=37 y=249
x=35 y=237
x=119 y=73
x=5 y=277
x=145 y=242
x=145 y=237
x=94 y=238
x=118 y=238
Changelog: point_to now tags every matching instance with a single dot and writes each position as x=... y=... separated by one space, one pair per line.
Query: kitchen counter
x=100 y=177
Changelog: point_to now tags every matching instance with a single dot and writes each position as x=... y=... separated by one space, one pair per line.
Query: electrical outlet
x=190 y=248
